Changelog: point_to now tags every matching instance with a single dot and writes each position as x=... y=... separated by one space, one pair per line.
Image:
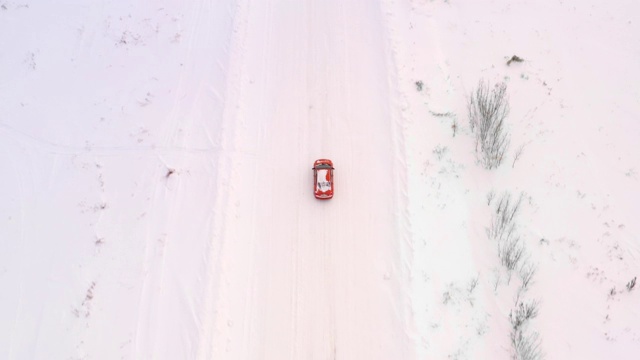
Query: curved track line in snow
x=58 y=148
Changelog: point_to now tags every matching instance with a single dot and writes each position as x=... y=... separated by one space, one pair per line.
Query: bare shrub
x=503 y=222
x=440 y=151
x=490 y=195
x=517 y=155
x=631 y=284
x=526 y=345
x=526 y=271
x=523 y=313
x=471 y=288
x=488 y=108
x=510 y=251
x=473 y=284
x=514 y=58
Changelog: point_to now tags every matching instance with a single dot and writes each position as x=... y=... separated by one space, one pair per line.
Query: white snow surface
x=157 y=193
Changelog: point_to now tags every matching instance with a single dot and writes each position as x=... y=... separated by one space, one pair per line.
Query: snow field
x=157 y=192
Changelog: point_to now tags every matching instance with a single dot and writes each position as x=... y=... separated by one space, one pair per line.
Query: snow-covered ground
x=156 y=195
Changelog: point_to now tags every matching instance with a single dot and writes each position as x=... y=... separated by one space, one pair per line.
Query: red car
x=323 y=179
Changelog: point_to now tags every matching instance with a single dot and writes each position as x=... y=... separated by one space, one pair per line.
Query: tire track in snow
x=57 y=148
x=321 y=338
x=302 y=146
x=250 y=326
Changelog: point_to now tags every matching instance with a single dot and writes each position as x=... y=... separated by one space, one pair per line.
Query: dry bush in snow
x=523 y=313
x=510 y=251
x=511 y=248
x=526 y=271
x=488 y=108
x=503 y=221
x=526 y=344
x=515 y=58
x=517 y=155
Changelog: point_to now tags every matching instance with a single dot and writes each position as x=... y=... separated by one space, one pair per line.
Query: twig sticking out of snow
x=514 y=58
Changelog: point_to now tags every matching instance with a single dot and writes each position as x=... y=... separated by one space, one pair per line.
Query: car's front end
x=323 y=179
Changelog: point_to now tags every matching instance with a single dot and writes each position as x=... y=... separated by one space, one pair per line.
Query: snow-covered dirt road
x=317 y=279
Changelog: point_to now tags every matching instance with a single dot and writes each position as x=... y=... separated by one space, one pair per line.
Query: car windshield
x=323 y=182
